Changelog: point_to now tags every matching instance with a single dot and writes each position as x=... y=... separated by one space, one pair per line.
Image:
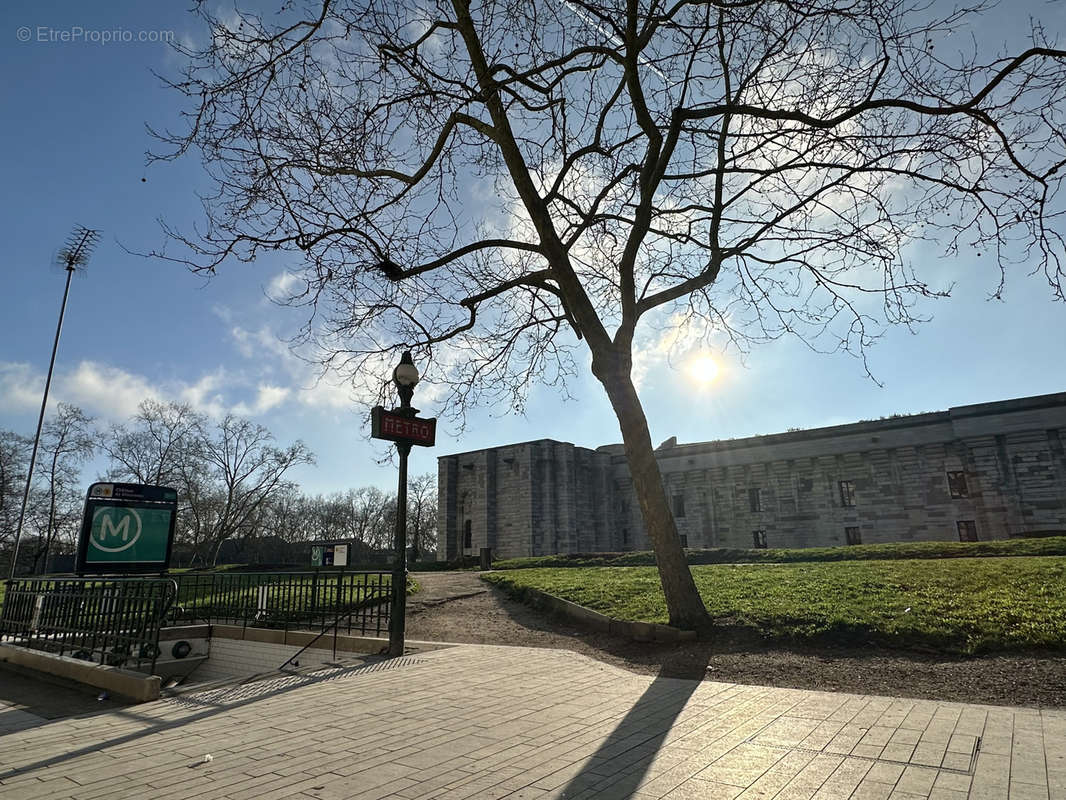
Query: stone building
x=987 y=471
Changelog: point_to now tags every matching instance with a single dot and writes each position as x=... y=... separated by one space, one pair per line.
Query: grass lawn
x=961 y=605
x=1046 y=546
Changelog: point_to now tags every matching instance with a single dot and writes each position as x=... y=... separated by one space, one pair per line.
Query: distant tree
x=241 y=469
x=285 y=515
x=495 y=185
x=68 y=440
x=151 y=448
x=369 y=510
x=422 y=514
x=14 y=460
x=163 y=445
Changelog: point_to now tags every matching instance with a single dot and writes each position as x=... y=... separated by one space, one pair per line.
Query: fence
x=109 y=621
x=343 y=601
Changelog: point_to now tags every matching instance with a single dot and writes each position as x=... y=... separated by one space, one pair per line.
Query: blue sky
x=75 y=143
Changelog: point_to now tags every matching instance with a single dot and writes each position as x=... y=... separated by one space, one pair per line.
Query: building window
x=957 y=485
x=852 y=536
x=760 y=539
x=967 y=530
x=755 y=499
x=847 y=493
x=684 y=540
x=679 y=506
x=468 y=536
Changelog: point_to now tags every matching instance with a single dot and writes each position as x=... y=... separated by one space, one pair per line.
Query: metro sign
x=398 y=428
x=126 y=528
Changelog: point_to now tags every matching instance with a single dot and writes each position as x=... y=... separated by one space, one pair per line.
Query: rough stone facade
x=987 y=471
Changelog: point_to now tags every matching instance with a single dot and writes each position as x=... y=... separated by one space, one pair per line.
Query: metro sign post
x=401 y=425
x=126 y=528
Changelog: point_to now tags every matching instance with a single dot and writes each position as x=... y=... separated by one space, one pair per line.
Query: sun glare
x=702 y=369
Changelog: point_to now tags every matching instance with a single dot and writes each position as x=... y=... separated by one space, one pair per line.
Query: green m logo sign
x=126 y=528
x=115 y=529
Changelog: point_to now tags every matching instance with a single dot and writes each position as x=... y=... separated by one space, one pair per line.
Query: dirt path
x=460 y=607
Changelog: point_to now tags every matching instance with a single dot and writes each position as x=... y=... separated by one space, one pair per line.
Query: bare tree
x=422 y=514
x=68 y=440
x=494 y=185
x=245 y=469
x=14 y=461
x=200 y=505
x=368 y=516
x=150 y=449
x=163 y=445
x=286 y=516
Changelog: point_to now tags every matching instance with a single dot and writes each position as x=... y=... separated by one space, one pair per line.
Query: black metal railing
x=286 y=600
x=113 y=621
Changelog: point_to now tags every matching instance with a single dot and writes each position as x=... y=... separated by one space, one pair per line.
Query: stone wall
x=880 y=481
x=534 y=498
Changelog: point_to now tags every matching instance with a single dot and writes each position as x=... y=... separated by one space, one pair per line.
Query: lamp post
x=405 y=376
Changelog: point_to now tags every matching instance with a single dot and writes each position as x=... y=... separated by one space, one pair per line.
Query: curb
x=637 y=631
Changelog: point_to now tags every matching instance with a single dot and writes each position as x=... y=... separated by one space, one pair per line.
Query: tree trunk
x=683 y=601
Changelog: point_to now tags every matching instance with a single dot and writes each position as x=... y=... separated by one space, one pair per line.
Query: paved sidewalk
x=492 y=722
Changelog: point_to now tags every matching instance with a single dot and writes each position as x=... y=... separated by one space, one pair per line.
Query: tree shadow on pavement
x=625 y=758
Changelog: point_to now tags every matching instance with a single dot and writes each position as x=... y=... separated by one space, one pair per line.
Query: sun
x=702 y=369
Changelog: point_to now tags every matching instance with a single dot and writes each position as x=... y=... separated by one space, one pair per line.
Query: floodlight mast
x=75 y=253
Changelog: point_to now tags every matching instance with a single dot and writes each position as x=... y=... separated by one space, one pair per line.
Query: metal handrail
x=113 y=621
x=284 y=600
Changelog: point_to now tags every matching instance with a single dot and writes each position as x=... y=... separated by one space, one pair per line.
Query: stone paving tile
x=496 y=722
x=1028 y=791
x=871 y=790
x=778 y=776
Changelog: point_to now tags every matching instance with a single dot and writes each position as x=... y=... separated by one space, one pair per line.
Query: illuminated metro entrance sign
x=126 y=527
x=397 y=427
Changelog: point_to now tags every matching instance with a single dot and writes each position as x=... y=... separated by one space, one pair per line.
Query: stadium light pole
x=75 y=253
x=405 y=376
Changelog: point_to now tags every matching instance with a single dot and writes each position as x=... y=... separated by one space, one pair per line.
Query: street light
x=405 y=376
x=72 y=257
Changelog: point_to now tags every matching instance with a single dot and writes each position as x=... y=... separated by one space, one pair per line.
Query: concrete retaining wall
x=594 y=620
x=134 y=685
x=237 y=651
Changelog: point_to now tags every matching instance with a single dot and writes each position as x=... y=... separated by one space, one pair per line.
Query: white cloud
x=308 y=385
x=283 y=285
x=270 y=397
x=204 y=395
x=20 y=388
x=326 y=393
x=112 y=393
x=267 y=397
x=243 y=340
x=103 y=389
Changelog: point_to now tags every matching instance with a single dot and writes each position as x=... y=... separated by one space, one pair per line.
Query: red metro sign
x=397 y=428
